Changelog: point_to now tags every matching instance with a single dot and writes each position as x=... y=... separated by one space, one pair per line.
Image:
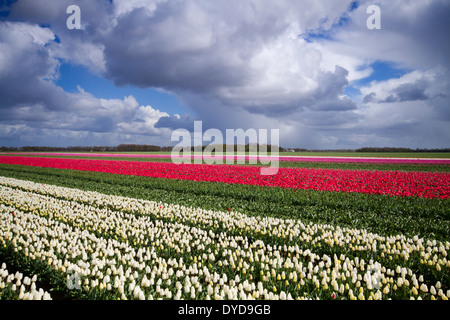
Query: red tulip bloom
x=395 y=183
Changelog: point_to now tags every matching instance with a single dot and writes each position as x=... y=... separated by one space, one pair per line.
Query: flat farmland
x=137 y=226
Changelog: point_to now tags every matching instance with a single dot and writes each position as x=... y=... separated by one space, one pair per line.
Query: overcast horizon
x=136 y=70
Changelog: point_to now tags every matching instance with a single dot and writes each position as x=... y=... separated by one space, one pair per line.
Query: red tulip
x=395 y=183
x=280 y=158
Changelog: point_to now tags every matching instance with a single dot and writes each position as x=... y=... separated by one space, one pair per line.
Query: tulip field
x=117 y=227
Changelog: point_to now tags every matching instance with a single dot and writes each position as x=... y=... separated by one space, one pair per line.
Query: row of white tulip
x=20 y=287
x=135 y=255
x=432 y=252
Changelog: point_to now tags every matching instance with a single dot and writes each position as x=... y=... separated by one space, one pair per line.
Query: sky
x=136 y=70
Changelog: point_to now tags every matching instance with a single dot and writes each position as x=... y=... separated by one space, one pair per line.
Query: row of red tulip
x=395 y=183
x=375 y=160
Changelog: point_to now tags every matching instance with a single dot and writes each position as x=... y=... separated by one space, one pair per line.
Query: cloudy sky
x=138 y=69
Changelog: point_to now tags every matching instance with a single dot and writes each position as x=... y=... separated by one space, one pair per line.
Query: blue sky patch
x=327 y=34
x=382 y=71
x=72 y=76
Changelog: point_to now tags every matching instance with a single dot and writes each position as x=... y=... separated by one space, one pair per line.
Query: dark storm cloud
x=27 y=66
x=176 y=122
x=328 y=96
x=221 y=55
x=180 y=47
x=371 y=97
x=427 y=27
x=411 y=91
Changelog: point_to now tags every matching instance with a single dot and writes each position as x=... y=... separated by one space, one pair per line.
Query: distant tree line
x=236 y=148
x=404 y=150
x=326 y=150
x=122 y=147
x=141 y=147
x=153 y=148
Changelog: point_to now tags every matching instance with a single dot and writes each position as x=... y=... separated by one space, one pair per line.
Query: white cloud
x=382 y=90
x=33 y=107
x=235 y=64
